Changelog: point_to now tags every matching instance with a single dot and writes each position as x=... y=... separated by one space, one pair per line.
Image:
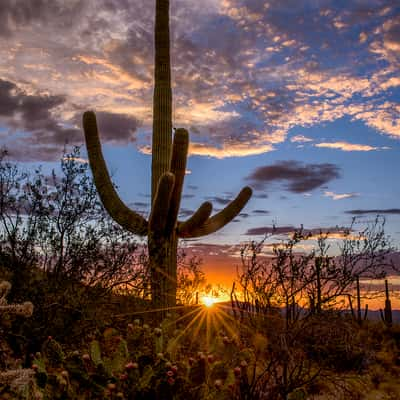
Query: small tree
x=271 y=282
x=190 y=278
x=289 y=276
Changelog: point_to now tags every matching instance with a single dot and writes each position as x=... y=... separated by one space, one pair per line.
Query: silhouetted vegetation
x=87 y=312
x=92 y=336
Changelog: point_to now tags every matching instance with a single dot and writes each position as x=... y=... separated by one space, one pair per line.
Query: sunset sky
x=298 y=99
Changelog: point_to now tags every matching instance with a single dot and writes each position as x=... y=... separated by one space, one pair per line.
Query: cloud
x=77 y=159
x=348 y=146
x=30 y=118
x=38 y=132
x=219 y=200
x=260 y=212
x=140 y=204
x=291 y=66
x=387 y=41
x=299 y=177
x=188 y=196
x=337 y=196
x=266 y=230
x=225 y=150
x=300 y=139
x=116 y=128
x=395 y=211
x=260 y=196
x=384 y=118
x=313 y=233
x=17 y=13
x=185 y=213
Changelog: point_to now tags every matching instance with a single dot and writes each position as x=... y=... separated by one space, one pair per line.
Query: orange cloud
x=385 y=119
x=300 y=139
x=345 y=146
x=229 y=150
x=110 y=73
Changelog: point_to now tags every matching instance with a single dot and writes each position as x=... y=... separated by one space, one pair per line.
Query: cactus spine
x=386 y=315
x=168 y=171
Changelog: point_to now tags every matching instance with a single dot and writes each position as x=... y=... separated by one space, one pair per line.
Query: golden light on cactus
x=168 y=168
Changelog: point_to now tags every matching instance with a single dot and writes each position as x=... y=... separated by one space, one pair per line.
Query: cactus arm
x=222 y=218
x=126 y=217
x=195 y=221
x=161 y=204
x=178 y=168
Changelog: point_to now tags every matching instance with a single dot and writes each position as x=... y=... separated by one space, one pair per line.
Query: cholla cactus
x=20 y=380
x=168 y=171
x=25 y=309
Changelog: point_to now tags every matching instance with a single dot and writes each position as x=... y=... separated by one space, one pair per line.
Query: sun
x=209 y=301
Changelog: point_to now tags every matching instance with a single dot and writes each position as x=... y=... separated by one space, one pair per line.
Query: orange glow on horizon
x=209 y=301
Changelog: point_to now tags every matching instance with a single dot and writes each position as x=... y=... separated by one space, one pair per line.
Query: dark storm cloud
x=116 y=127
x=374 y=211
x=35 y=110
x=299 y=177
x=32 y=115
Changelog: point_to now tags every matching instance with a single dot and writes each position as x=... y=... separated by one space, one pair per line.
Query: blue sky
x=298 y=99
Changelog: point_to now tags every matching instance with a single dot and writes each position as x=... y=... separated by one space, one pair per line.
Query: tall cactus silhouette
x=167 y=175
x=386 y=314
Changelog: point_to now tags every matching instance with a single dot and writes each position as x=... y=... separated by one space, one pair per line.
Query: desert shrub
x=335 y=342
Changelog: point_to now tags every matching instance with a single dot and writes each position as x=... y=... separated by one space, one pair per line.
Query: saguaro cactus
x=168 y=171
x=357 y=316
x=386 y=315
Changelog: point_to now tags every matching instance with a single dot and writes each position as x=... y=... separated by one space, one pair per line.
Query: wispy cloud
x=77 y=159
x=375 y=211
x=345 y=146
x=335 y=232
x=341 y=196
x=260 y=212
x=300 y=139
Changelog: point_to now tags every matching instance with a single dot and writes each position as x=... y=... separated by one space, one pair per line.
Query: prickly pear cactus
x=18 y=380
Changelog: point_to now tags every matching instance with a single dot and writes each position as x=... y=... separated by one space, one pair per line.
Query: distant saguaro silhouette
x=168 y=170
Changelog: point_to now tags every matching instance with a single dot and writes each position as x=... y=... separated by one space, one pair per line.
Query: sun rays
x=209 y=301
